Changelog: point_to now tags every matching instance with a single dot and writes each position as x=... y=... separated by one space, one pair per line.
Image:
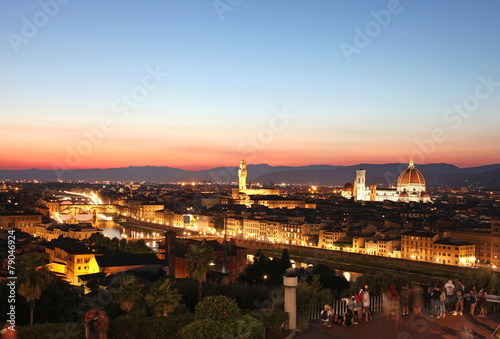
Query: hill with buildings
x=378 y=174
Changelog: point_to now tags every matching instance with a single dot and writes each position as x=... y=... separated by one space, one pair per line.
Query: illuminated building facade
x=454 y=252
x=418 y=245
x=16 y=219
x=410 y=188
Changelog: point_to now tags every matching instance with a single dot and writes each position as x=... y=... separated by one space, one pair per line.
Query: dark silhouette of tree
x=129 y=292
x=34 y=278
x=199 y=257
x=163 y=297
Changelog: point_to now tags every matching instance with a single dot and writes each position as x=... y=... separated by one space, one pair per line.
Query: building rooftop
x=453 y=242
x=127 y=259
x=425 y=234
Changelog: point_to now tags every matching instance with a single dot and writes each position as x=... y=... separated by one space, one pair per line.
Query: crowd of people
x=450 y=299
x=358 y=307
x=447 y=299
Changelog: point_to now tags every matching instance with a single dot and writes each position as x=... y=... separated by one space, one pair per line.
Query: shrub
x=274 y=322
x=217 y=307
x=219 y=317
x=245 y=326
x=52 y=330
x=151 y=327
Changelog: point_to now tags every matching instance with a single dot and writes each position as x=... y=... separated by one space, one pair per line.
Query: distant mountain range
x=381 y=175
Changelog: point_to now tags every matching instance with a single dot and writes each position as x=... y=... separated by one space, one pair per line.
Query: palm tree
x=199 y=257
x=34 y=278
x=163 y=297
x=129 y=292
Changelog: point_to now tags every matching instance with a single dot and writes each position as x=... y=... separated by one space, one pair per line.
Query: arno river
x=114 y=230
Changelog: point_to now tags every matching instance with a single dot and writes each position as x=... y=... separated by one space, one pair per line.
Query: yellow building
x=495 y=243
x=16 y=219
x=454 y=252
x=178 y=220
x=292 y=234
x=382 y=247
x=358 y=244
x=53 y=207
x=328 y=238
x=275 y=201
x=418 y=245
x=147 y=212
x=234 y=226
x=273 y=231
x=487 y=243
x=73 y=255
x=252 y=228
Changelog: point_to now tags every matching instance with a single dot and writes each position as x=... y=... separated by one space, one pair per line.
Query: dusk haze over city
x=287 y=169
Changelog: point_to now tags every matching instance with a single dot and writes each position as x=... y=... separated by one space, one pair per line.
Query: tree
x=129 y=292
x=314 y=292
x=199 y=257
x=219 y=223
x=34 y=278
x=265 y=271
x=284 y=262
x=163 y=297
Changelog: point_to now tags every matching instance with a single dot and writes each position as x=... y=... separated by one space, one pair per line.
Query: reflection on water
x=349 y=276
x=112 y=229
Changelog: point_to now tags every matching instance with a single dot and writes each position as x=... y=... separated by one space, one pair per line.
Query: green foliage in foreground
x=152 y=327
x=244 y=326
x=220 y=317
x=217 y=307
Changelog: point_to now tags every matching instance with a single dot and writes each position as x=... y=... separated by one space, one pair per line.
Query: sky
x=197 y=84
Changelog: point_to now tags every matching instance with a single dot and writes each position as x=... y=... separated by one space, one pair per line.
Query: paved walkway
x=408 y=327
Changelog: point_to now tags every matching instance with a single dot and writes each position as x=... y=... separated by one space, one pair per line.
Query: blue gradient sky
x=227 y=78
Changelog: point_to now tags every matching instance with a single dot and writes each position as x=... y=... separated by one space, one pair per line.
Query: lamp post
x=290 y=282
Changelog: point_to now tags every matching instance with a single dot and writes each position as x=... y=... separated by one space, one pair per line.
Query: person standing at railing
x=449 y=287
x=460 y=303
x=418 y=298
x=442 y=304
x=472 y=300
x=359 y=304
x=459 y=294
x=436 y=302
x=366 y=303
x=483 y=294
x=405 y=299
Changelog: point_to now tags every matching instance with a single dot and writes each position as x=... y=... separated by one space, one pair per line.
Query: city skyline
x=204 y=84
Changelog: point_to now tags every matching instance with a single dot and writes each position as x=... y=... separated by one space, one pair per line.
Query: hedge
x=152 y=327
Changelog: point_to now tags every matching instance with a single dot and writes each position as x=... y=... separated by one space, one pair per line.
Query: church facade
x=410 y=188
